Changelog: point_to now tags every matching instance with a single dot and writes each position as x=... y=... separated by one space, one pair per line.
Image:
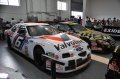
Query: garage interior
x=48 y=10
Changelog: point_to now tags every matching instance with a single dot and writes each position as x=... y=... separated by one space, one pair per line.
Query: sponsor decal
x=31 y=41
x=65 y=37
x=112 y=30
x=67 y=44
x=52 y=38
x=48 y=64
x=76 y=45
x=19 y=41
x=79 y=49
x=62 y=38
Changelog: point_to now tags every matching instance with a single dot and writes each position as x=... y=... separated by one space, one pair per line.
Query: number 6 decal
x=19 y=41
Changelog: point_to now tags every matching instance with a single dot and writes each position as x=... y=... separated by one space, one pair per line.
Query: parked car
x=113 y=69
x=99 y=42
x=35 y=39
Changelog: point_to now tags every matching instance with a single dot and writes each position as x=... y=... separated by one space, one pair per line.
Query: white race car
x=35 y=39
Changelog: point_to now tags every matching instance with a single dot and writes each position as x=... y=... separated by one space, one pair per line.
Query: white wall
x=67 y=13
x=103 y=8
x=7 y=12
x=43 y=9
x=76 y=6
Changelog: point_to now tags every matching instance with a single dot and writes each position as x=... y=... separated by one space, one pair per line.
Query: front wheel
x=39 y=60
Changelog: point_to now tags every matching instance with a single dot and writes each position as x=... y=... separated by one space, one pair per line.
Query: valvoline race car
x=113 y=69
x=98 y=41
x=35 y=39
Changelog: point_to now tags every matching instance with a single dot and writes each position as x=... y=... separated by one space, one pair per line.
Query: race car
x=37 y=39
x=99 y=42
x=113 y=69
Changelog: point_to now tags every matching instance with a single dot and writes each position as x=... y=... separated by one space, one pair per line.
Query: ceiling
x=78 y=1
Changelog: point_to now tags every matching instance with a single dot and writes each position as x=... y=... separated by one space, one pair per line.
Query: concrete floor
x=9 y=58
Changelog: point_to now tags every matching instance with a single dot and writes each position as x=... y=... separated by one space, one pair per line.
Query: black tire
x=39 y=60
x=8 y=42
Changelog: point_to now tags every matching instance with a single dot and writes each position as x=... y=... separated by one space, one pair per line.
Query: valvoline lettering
x=67 y=44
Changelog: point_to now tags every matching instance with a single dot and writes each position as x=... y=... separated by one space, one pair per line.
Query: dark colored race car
x=98 y=41
x=113 y=69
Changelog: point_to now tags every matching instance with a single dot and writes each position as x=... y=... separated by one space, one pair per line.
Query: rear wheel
x=39 y=60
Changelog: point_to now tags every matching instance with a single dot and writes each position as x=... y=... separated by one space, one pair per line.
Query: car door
x=19 y=38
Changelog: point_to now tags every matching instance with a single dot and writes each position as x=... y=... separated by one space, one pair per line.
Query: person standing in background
x=114 y=21
x=103 y=22
x=92 y=20
x=21 y=21
x=13 y=21
x=110 y=22
x=79 y=20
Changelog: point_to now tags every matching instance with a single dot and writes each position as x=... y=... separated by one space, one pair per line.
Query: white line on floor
x=100 y=59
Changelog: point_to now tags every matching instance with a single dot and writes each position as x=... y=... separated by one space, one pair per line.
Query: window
x=61 y=5
x=22 y=30
x=4 y=2
x=14 y=28
x=14 y=2
x=10 y=2
x=77 y=14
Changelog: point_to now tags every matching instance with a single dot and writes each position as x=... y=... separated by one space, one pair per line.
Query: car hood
x=96 y=35
x=64 y=41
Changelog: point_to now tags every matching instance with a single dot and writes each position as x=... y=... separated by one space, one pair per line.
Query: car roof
x=31 y=24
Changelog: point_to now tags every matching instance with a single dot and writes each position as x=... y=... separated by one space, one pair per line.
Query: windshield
x=64 y=27
x=78 y=28
x=38 y=30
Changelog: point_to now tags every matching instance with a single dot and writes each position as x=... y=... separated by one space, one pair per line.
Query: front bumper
x=79 y=65
x=73 y=65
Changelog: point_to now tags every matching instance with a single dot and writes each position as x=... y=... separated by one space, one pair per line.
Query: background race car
x=99 y=42
x=113 y=70
x=36 y=39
